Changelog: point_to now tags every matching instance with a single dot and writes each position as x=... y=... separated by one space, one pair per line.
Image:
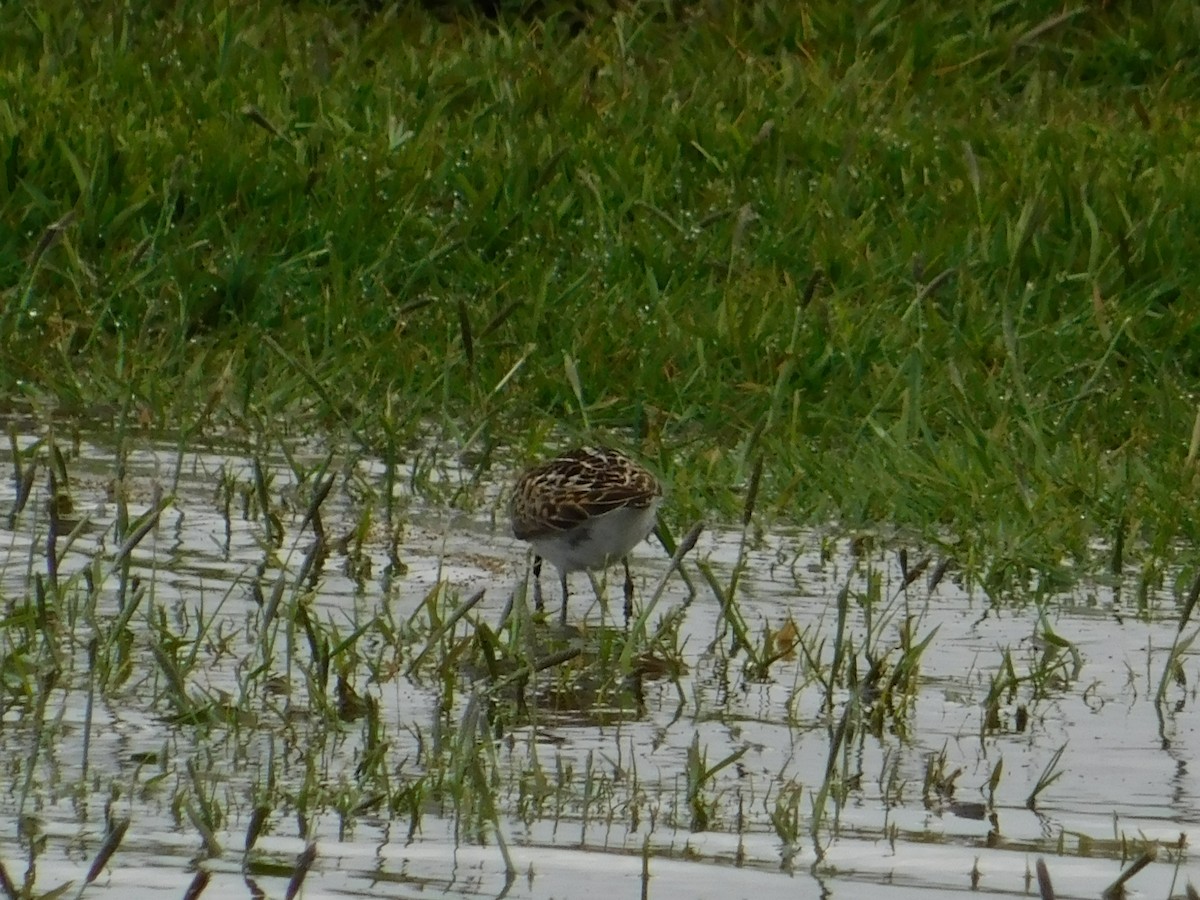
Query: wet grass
x=934 y=266
x=925 y=273
x=314 y=679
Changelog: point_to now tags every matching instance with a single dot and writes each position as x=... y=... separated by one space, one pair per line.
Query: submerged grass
x=310 y=690
x=934 y=266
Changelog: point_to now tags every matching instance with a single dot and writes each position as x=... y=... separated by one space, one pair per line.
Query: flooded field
x=233 y=673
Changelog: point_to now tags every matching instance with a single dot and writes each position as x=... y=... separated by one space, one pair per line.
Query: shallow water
x=592 y=802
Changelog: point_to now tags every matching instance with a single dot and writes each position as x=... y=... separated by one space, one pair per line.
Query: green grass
x=219 y=219
x=288 y=674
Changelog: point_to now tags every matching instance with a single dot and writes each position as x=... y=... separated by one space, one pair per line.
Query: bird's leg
x=628 y=592
x=563 y=616
x=538 y=603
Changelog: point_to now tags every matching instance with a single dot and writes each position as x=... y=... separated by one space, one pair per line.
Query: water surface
x=591 y=791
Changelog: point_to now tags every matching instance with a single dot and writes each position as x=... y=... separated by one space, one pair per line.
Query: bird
x=584 y=509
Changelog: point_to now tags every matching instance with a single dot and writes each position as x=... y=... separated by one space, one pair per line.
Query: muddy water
x=612 y=816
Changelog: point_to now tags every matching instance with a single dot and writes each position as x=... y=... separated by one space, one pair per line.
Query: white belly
x=599 y=541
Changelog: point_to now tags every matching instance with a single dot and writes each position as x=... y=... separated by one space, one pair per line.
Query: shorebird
x=584 y=509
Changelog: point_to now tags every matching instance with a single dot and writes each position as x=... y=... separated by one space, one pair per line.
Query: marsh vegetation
x=295 y=665
x=898 y=300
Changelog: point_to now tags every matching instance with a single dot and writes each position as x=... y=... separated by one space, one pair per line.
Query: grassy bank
x=937 y=266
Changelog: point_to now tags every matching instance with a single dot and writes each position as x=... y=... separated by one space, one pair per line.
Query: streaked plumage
x=584 y=509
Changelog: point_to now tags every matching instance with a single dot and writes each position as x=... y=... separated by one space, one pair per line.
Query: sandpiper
x=584 y=509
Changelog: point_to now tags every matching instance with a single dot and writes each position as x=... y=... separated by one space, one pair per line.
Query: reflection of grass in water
x=307 y=677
